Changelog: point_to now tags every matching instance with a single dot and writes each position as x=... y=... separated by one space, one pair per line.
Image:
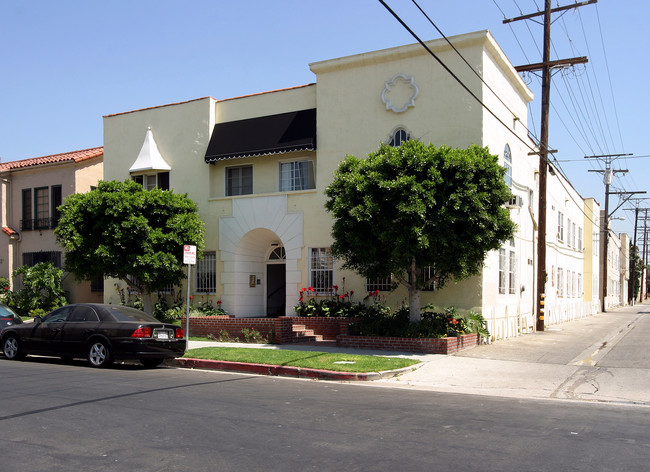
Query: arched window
x=277 y=254
x=399 y=136
x=507 y=163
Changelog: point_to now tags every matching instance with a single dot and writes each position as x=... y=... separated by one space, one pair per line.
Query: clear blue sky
x=67 y=63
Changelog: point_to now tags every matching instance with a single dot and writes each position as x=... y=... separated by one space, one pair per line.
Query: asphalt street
x=59 y=417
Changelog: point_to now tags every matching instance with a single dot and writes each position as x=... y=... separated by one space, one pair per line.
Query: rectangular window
x=579 y=239
x=206 y=273
x=151 y=181
x=579 y=285
x=560 y=282
x=239 y=180
x=502 y=271
x=511 y=274
x=297 y=175
x=32 y=258
x=97 y=284
x=55 y=191
x=379 y=283
x=568 y=232
x=427 y=273
x=27 y=222
x=573 y=236
x=321 y=269
x=560 y=226
x=42 y=208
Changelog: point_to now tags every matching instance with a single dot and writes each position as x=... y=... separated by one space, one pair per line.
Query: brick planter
x=423 y=345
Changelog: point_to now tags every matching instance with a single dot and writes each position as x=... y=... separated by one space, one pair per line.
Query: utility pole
x=545 y=66
x=635 y=252
x=609 y=173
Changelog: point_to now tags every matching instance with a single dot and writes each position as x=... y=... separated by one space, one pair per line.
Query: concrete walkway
x=591 y=359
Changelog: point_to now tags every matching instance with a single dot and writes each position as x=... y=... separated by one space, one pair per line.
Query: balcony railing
x=38 y=223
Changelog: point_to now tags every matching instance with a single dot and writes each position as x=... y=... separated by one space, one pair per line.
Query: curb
x=289 y=371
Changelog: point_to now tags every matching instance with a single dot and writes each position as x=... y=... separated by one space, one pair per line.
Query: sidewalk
x=560 y=363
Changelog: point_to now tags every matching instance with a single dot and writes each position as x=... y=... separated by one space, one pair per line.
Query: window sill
x=257 y=195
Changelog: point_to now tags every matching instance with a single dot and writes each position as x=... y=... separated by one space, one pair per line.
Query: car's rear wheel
x=11 y=348
x=99 y=354
x=151 y=363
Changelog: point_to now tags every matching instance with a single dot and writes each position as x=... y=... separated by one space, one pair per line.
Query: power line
x=455 y=77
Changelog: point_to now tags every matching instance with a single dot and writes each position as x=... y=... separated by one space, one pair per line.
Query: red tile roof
x=75 y=156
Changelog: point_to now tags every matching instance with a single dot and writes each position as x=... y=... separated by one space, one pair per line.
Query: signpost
x=189 y=258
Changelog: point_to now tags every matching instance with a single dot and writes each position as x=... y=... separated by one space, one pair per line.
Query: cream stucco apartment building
x=30 y=192
x=258 y=165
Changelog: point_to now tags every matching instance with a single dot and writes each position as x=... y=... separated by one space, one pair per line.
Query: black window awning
x=272 y=134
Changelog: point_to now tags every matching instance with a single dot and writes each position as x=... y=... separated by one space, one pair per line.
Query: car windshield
x=126 y=313
x=6 y=312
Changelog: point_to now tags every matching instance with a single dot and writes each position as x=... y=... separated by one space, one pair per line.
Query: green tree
x=121 y=230
x=406 y=208
x=636 y=269
x=41 y=289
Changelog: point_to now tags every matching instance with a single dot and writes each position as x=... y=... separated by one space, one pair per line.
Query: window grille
x=383 y=284
x=206 y=273
x=321 y=269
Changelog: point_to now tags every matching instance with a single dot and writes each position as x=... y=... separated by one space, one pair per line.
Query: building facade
x=30 y=191
x=258 y=166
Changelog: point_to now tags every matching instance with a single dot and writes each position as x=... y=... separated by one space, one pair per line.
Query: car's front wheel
x=99 y=354
x=11 y=348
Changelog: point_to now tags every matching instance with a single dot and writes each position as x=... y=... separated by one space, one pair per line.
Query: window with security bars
x=32 y=258
x=296 y=175
x=206 y=273
x=427 y=273
x=383 y=284
x=321 y=269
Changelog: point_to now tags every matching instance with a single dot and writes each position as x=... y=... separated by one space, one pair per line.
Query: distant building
x=30 y=192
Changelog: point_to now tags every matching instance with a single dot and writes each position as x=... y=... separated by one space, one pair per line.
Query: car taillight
x=5 y=319
x=142 y=332
x=180 y=333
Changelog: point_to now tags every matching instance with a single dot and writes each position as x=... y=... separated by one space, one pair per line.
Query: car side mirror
x=37 y=319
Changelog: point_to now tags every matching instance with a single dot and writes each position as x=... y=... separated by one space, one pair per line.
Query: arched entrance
x=260 y=245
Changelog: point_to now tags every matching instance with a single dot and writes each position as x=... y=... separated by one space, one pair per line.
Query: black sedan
x=8 y=317
x=99 y=333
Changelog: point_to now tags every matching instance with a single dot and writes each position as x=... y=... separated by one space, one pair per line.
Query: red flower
x=351 y=292
x=6 y=288
x=311 y=289
x=218 y=302
x=336 y=287
x=303 y=289
x=191 y=297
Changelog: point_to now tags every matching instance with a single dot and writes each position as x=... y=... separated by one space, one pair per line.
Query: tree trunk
x=414 y=305
x=414 y=293
x=147 y=302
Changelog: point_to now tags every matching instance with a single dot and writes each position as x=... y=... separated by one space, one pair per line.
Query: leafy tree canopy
x=414 y=206
x=120 y=230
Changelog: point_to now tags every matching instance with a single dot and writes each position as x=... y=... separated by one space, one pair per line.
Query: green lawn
x=307 y=359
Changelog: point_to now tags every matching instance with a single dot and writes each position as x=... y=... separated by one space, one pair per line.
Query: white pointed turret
x=149 y=157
